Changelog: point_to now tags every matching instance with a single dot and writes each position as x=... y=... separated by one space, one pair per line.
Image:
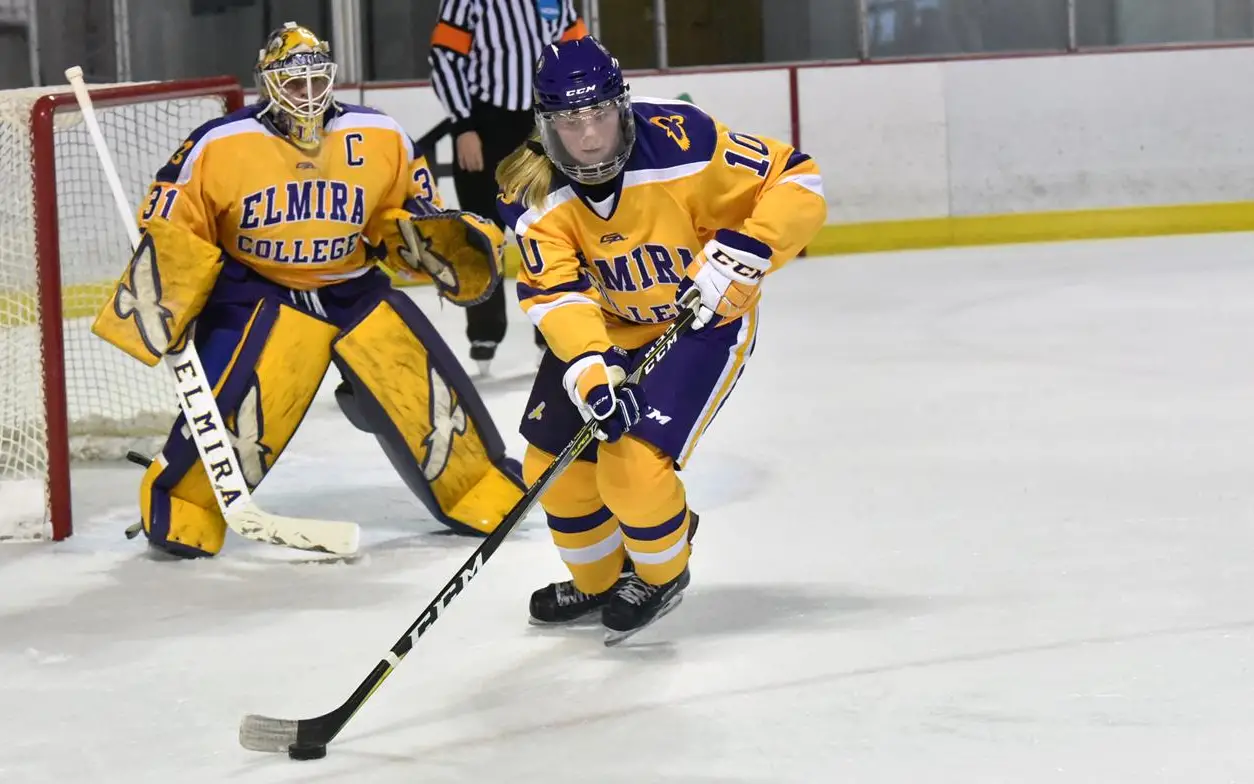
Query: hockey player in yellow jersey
x=626 y=211
x=264 y=237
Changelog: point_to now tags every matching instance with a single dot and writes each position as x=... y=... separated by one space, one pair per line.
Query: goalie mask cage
x=64 y=393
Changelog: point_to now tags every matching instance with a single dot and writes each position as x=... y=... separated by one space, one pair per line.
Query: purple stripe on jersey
x=527 y=292
x=796 y=159
x=743 y=242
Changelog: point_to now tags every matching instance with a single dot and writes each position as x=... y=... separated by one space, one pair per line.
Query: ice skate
x=562 y=603
x=634 y=604
x=483 y=352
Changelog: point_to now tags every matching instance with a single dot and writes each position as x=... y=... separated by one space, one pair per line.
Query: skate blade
x=614 y=637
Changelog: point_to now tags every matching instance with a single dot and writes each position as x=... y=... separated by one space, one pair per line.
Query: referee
x=483 y=55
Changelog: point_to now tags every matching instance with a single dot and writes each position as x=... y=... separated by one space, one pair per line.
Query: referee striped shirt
x=487 y=50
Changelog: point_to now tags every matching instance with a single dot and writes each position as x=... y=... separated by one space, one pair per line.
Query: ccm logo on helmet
x=580 y=91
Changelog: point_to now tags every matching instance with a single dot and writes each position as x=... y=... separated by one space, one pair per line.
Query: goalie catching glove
x=723 y=282
x=460 y=251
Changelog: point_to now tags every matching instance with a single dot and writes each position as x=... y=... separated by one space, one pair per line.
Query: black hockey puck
x=299 y=752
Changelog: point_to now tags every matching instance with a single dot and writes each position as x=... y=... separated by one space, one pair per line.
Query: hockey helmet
x=583 y=110
x=295 y=76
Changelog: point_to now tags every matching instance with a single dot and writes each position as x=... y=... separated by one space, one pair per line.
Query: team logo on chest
x=640 y=269
x=275 y=215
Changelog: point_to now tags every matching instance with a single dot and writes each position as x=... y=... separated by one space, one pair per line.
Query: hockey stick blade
x=300 y=533
x=266 y=734
x=261 y=733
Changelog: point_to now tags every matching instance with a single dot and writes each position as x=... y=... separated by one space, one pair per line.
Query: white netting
x=113 y=402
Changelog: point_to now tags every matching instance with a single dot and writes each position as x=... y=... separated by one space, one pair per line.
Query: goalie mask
x=295 y=76
x=583 y=111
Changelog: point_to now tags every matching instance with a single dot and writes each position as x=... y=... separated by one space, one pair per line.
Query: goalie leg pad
x=164 y=287
x=265 y=374
x=427 y=416
x=585 y=531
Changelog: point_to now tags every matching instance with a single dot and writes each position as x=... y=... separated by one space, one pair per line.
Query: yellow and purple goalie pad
x=410 y=391
x=267 y=348
x=266 y=361
x=161 y=291
x=461 y=252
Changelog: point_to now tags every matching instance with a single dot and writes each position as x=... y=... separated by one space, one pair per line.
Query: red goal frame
x=48 y=258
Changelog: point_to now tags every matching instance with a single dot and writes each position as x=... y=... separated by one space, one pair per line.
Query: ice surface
x=980 y=515
x=22 y=509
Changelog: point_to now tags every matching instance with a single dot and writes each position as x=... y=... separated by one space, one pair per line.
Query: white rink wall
x=904 y=141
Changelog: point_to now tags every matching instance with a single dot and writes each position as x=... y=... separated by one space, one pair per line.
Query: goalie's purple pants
x=231 y=304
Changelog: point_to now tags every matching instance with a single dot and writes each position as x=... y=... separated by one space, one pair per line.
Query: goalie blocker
x=266 y=348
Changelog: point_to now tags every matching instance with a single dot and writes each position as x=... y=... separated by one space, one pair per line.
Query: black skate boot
x=634 y=604
x=483 y=352
x=563 y=603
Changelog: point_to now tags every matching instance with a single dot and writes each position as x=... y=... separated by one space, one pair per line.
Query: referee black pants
x=501 y=131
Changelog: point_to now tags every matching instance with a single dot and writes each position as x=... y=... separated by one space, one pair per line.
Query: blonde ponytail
x=527 y=173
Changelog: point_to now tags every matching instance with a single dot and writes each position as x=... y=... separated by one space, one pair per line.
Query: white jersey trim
x=233 y=128
x=539 y=310
x=350 y=120
x=631 y=179
x=811 y=182
x=551 y=202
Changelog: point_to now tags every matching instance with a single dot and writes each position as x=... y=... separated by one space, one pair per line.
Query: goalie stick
x=204 y=419
x=308 y=738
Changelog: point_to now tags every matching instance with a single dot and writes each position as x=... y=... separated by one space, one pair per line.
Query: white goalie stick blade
x=262 y=733
x=300 y=533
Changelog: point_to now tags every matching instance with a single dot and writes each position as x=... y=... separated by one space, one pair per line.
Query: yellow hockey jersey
x=593 y=275
x=297 y=218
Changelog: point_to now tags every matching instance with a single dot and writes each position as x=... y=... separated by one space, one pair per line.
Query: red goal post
x=67 y=394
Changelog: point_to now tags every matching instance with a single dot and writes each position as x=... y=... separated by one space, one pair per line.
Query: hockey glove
x=461 y=251
x=595 y=384
x=721 y=284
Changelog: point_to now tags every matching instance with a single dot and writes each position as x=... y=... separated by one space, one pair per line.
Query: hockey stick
x=204 y=419
x=308 y=738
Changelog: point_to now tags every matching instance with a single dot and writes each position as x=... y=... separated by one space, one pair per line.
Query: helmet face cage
x=551 y=124
x=577 y=83
x=296 y=75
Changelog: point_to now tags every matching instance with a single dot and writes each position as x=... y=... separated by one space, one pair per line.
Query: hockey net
x=65 y=394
